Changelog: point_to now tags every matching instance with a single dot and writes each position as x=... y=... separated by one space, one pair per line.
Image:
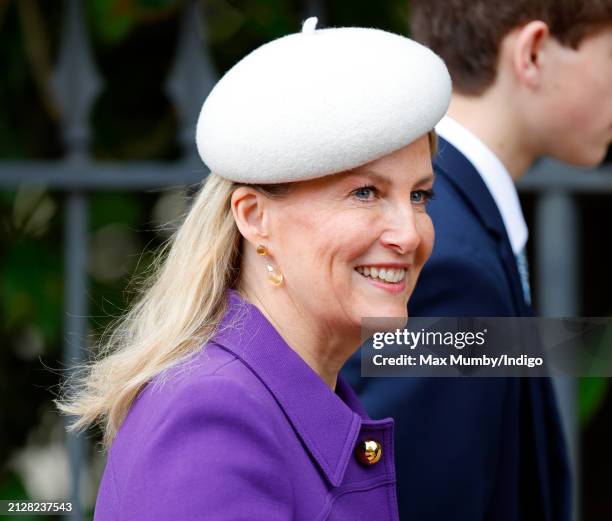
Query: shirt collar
x=328 y=423
x=495 y=176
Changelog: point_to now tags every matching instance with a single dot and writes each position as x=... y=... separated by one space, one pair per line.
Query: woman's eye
x=421 y=196
x=365 y=193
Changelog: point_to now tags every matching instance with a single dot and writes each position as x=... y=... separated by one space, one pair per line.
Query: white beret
x=320 y=102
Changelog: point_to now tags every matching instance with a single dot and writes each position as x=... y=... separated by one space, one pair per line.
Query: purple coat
x=245 y=430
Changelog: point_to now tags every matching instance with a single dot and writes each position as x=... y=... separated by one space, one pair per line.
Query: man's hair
x=467 y=33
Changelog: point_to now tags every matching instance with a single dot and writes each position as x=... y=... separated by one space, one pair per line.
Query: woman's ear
x=250 y=213
x=528 y=52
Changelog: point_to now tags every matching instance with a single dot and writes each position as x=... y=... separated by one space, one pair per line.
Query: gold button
x=368 y=452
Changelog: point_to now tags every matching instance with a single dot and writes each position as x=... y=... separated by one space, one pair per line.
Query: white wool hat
x=320 y=102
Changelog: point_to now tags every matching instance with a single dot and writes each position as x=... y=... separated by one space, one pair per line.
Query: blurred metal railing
x=76 y=85
x=557 y=247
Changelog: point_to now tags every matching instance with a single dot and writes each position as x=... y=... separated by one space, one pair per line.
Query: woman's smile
x=391 y=278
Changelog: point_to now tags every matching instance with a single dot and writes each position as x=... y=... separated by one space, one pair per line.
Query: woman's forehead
x=411 y=162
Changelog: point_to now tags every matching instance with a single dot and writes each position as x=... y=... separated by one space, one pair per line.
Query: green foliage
x=109 y=207
x=592 y=393
x=111 y=21
x=31 y=289
x=11 y=486
x=28 y=126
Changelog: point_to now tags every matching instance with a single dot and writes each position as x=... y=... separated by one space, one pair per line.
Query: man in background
x=530 y=78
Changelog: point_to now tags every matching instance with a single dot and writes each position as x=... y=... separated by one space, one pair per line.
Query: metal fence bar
x=549 y=174
x=143 y=175
x=76 y=233
x=75 y=84
x=316 y=8
x=192 y=77
x=557 y=226
x=101 y=176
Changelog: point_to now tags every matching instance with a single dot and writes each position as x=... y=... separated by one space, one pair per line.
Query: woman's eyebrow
x=378 y=178
x=426 y=179
x=381 y=179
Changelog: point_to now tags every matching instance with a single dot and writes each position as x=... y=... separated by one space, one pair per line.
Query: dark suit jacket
x=471 y=448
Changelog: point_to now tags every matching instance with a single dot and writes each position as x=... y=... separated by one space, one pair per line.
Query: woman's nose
x=402 y=233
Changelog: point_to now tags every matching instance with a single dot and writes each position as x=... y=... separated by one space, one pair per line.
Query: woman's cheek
x=427 y=232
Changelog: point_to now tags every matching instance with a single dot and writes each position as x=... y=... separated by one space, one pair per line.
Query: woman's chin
x=385 y=309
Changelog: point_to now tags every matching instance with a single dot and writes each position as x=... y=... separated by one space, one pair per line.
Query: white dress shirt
x=495 y=176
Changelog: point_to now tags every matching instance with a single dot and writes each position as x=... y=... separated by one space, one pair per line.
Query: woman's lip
x=391 y=287
x=395 y=265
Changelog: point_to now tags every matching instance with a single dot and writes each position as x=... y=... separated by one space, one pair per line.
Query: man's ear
x=528 y=52
x=249 y=210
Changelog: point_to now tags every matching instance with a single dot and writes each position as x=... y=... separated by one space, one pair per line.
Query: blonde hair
x=178 y=311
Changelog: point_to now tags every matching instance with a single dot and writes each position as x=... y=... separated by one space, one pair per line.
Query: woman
x=221 y=398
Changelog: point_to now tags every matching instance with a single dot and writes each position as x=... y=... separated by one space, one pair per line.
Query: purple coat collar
x=328 y=423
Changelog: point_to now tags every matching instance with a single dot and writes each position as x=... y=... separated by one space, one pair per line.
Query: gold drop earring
x=275 y=277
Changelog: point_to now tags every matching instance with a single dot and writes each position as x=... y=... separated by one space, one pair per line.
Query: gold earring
x=275 y=277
